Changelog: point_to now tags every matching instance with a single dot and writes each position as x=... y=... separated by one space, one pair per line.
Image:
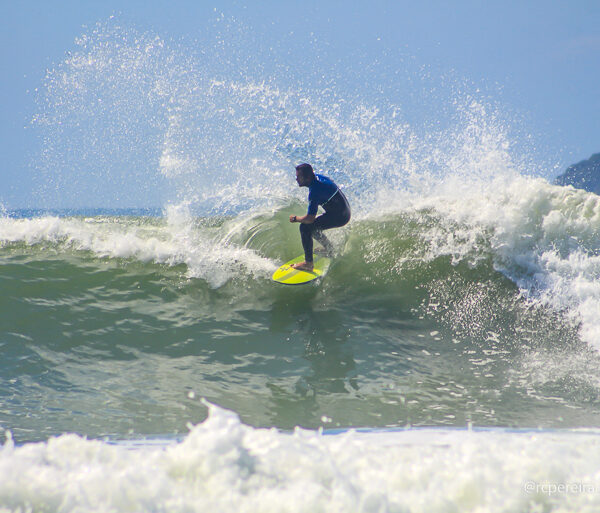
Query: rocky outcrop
x=583 y=175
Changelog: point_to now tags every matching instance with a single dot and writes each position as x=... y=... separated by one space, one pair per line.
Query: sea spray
x=163 y=118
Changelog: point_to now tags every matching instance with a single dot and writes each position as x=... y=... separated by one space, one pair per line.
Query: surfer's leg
x=333 y=218
x=306 y=234
x=324 y=241
x=324 y=222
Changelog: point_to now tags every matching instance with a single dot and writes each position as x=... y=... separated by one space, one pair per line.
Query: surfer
x=321 y=191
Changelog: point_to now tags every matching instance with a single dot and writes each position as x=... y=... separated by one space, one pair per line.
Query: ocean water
x=448 y=361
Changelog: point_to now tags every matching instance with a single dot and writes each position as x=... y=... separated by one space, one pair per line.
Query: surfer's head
x=304 y=175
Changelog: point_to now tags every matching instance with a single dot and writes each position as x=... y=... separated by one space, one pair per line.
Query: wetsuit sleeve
x=313 y=204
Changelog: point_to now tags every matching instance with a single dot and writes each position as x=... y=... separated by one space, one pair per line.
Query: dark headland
x=583 y=175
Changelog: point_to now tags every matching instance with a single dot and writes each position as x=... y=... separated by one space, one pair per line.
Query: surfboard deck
x=287 y=275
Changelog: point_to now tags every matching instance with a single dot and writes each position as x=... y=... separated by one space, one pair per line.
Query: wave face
x=461 y=307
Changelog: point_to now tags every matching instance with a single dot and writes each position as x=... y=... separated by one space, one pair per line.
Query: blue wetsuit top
x=320 y=191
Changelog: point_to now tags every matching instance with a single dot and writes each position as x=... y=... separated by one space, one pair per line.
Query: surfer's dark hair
x=305 y=169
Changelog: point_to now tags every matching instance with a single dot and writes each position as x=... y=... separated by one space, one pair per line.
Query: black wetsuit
x=337 y=213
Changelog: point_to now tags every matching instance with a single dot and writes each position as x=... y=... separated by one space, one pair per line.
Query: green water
x=104 y=345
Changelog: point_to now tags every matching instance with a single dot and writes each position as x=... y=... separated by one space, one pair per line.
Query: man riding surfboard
x=321 y=191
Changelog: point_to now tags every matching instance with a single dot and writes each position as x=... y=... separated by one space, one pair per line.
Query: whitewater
x=447 y=362
x=225 y=465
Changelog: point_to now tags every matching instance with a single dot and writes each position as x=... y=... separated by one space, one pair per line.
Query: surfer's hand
x=292 y=219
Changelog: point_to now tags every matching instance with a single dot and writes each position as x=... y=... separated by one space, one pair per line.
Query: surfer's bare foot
x=303 y=266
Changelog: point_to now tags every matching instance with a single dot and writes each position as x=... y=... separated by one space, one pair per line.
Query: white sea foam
x=545 y=238
x=224 y=465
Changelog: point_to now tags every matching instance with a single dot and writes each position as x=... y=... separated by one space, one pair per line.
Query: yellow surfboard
x=287 y=275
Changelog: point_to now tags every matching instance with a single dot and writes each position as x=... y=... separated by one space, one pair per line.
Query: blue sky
x=539 y=61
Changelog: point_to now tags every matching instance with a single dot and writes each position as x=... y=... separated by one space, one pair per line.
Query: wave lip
x=176 y=241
